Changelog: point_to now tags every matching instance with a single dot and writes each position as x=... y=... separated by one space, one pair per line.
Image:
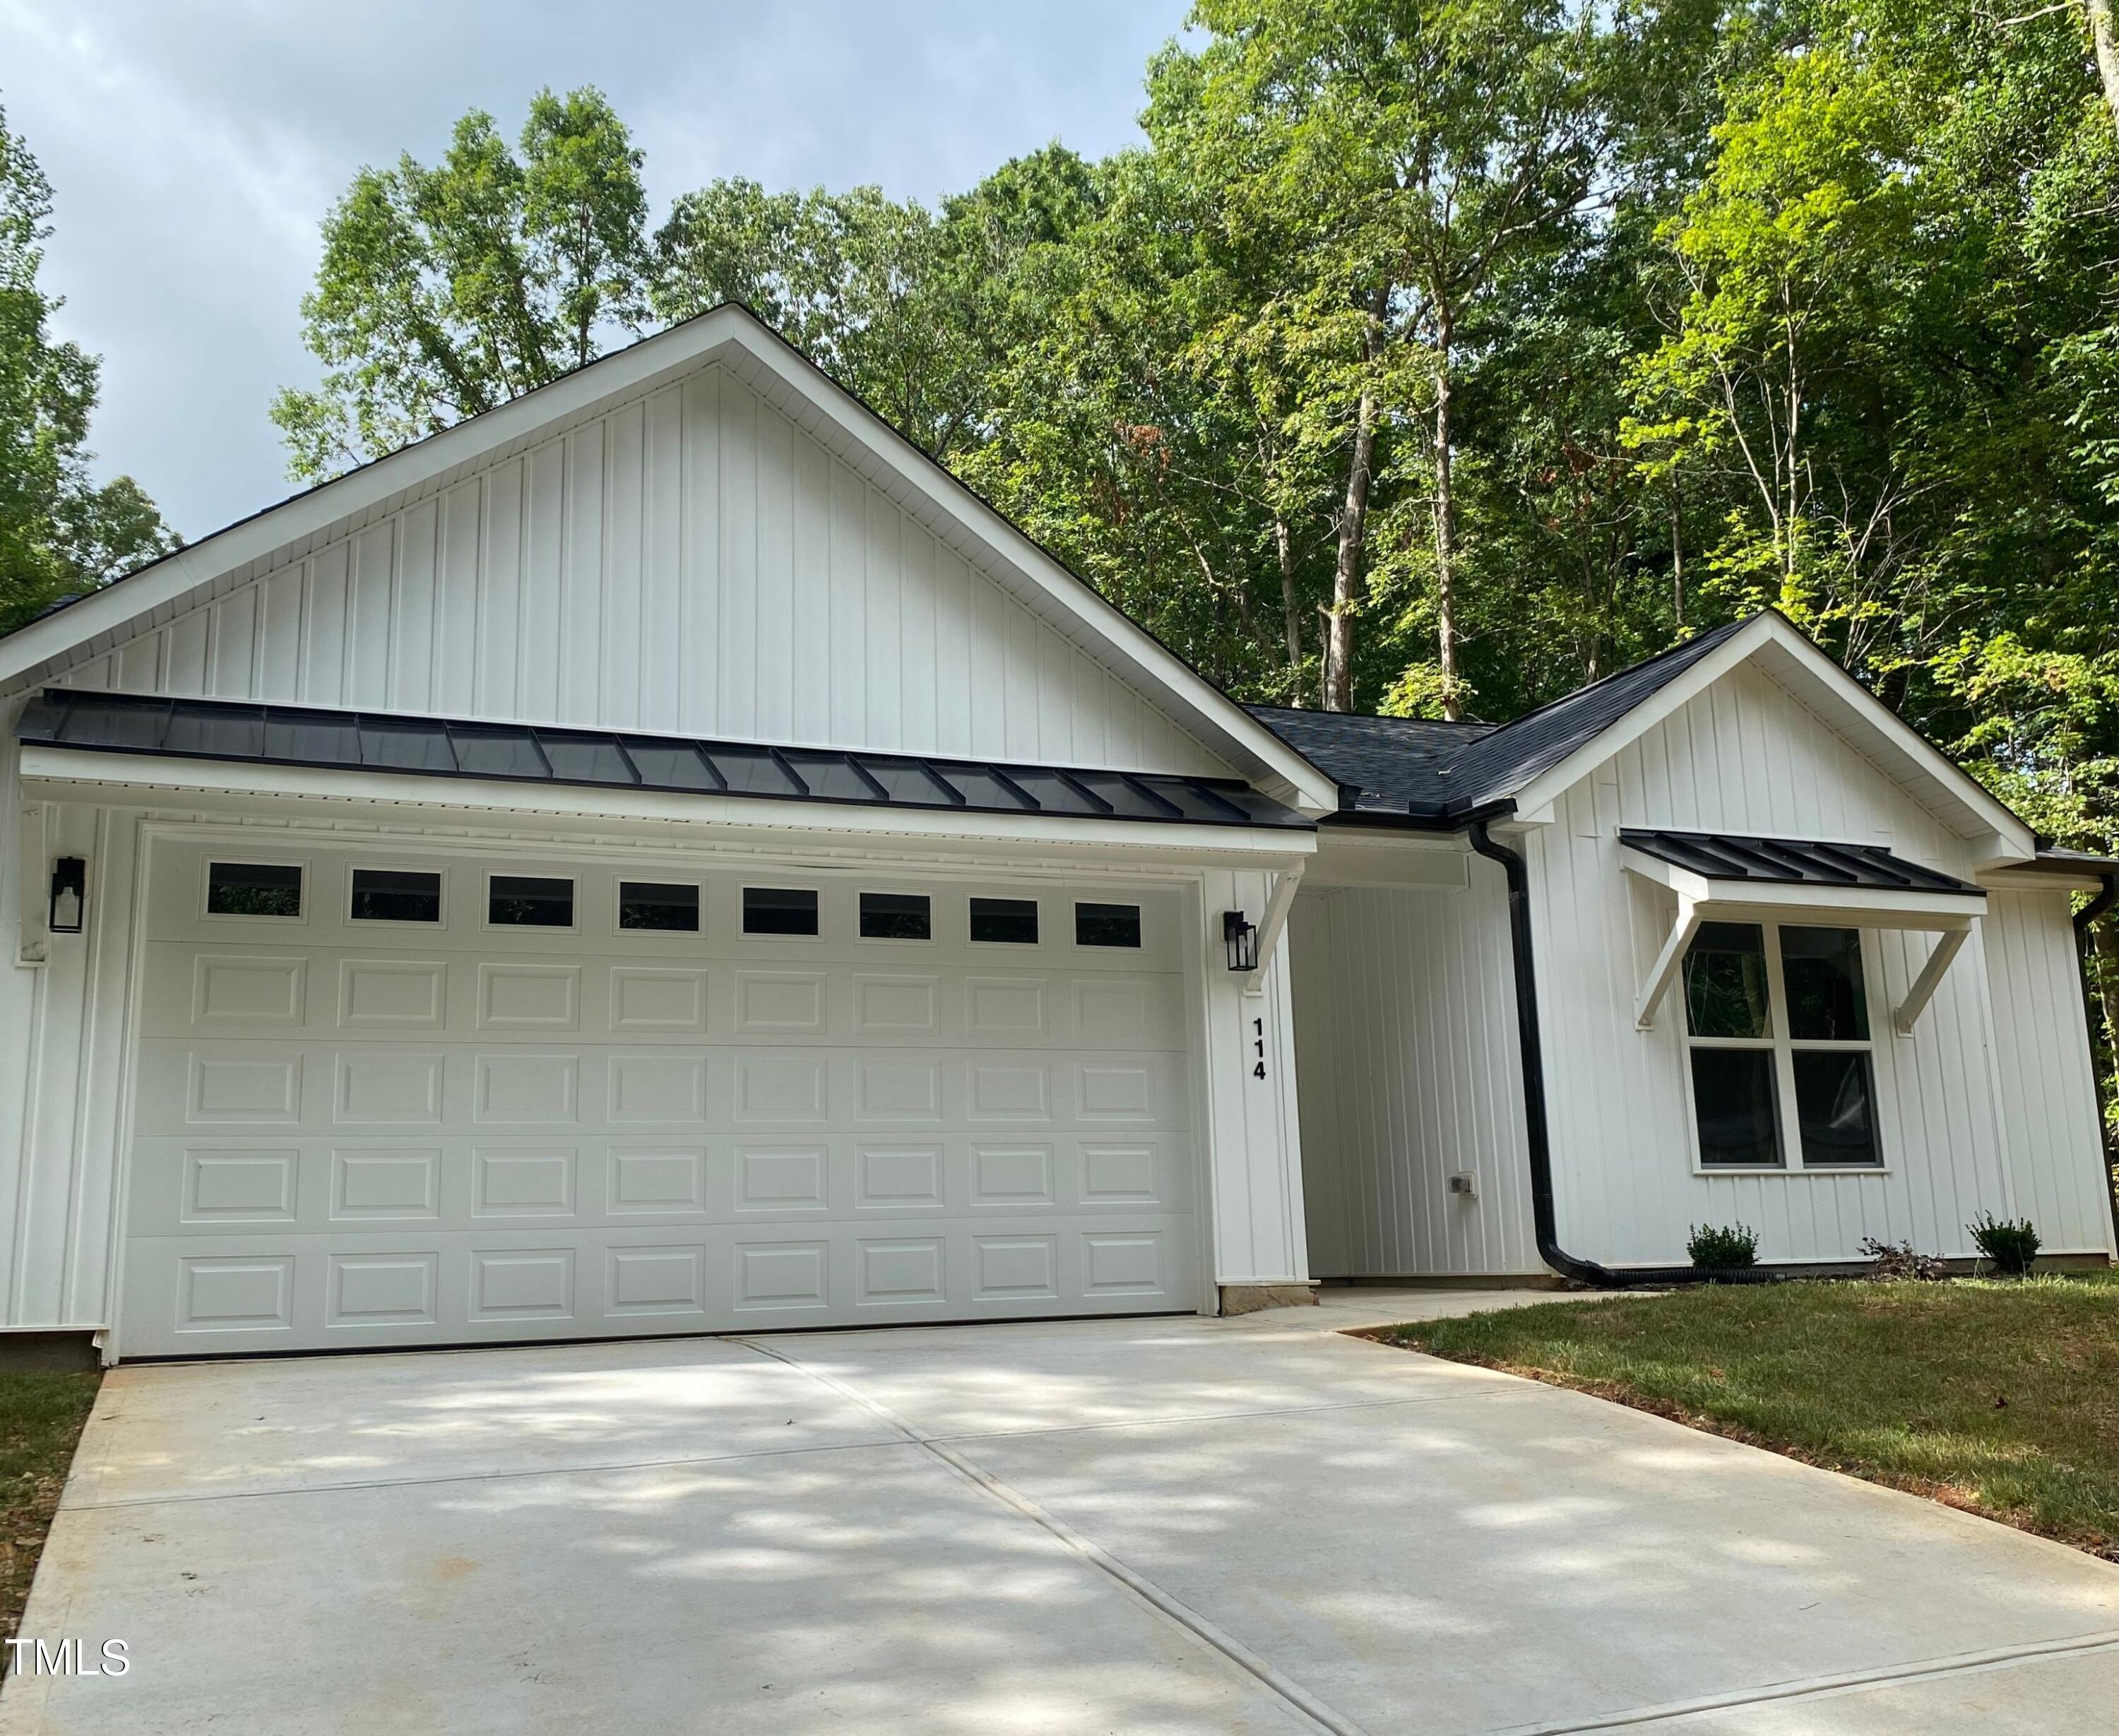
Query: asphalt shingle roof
x=1441 y=771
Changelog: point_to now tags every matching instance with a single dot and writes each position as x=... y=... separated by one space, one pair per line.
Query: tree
x=61 y=533
x=1416 y=148
x=445 y=291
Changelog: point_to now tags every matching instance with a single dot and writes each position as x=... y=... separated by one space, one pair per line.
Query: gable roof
x=1442 y=773
x=730 y=333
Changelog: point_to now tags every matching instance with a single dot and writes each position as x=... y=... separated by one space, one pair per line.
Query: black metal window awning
x=1793 y=862
x=372 y=741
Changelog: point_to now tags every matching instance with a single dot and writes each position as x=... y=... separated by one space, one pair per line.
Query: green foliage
x=2011 y=1243
x=1733 y=1248
x=60 y=532
x=446 y=290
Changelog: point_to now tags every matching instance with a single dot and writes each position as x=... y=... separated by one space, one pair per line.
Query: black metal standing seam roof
x=1793 y=862
x=372 y=741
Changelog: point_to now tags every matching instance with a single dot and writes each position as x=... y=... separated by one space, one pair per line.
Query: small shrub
x=1714 y=1248
x=2010 y=1244
x=1897 y=1260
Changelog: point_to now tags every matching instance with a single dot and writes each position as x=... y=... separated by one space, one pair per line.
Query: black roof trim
x=1793 y=862
x=375 y=741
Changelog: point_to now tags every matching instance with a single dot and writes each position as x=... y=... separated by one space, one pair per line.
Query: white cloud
x=193 y=150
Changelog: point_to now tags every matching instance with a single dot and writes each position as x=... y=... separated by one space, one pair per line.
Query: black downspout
x=2093 y=1017
x=1537 y=1133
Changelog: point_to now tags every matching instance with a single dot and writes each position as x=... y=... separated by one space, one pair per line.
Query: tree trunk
x=2104 y=35
x=1676 y=563
x=1290 y=604
x=1353 y=525
x=1445 y=536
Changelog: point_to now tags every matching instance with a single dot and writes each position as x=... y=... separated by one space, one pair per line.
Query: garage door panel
x=355 y=1134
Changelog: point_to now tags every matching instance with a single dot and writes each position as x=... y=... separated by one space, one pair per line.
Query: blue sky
x=192 y=148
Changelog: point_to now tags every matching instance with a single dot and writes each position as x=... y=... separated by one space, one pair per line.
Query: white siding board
x=1745 y=757
x=1404 y=1013
x=691 y=563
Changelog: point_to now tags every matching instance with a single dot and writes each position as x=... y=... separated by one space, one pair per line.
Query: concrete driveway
x=1252 y=1525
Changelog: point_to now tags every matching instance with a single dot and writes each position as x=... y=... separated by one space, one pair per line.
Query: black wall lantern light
x=69 y=895
x=1243 y=940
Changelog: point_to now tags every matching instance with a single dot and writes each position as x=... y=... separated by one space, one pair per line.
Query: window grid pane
x=1736 y=1102
x=1004 y=921
x=669 y=907
x=254 y=889
x=529 y=901
x=896 y=916
x=1725 y=981
x=394 y=894
x=1836 y=1105
x=1107 y=925
x=1821 y=978
x=779 y=910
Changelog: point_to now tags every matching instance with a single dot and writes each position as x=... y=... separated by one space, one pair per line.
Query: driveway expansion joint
x=1298 y=1698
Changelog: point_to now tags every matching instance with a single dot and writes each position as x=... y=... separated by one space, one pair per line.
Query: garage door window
x=1009 y=922
x=896 y=916
x=772 y=909
x=394 y=894
x=254 y=889
x=1107 y=925
x=667 y=906
x=529 y=901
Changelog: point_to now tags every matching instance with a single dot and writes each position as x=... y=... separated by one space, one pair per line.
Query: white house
x=664 y=857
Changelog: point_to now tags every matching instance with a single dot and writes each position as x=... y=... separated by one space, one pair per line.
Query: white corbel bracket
x=1664 y=972
x=1947 y=946
x=1279 y=902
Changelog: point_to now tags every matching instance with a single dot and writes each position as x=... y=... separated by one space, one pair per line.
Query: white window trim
x=1789 y=1124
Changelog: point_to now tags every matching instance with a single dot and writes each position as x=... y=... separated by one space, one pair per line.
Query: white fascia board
x=1088 y=617
x=61 y=774
x=1784 y=651
x=1773 y=901
x=307 y=515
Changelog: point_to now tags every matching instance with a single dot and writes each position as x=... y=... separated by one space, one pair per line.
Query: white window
x=1777 y=1034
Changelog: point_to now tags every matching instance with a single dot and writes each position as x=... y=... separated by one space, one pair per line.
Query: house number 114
x=1258 y=1035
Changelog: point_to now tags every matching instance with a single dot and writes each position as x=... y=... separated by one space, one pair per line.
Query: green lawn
x=40 y=1418
x=1999 y=1397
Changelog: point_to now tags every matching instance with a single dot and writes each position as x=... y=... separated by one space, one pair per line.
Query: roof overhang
x=1720 y=898
x=262 y=789
x=1815 y=680
x=1932 y=902
x=734 y=335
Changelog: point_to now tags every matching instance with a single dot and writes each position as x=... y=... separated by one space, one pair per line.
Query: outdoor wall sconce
x=69 y=895
x=1242 y=938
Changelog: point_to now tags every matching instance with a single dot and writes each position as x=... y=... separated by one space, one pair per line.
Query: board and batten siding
x=689 y=562
x=1405 y=1015
x=1745 y=757
x=2048 y=1091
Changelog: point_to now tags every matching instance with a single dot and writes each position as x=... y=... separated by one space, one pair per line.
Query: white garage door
x=388 y=1101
